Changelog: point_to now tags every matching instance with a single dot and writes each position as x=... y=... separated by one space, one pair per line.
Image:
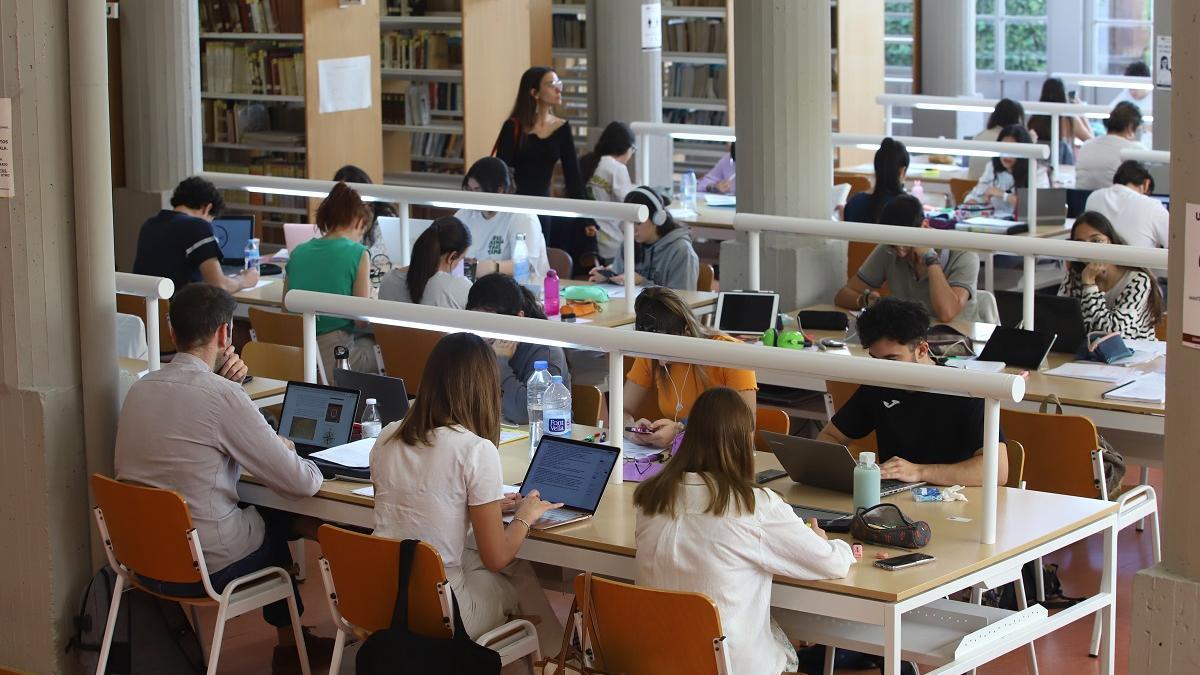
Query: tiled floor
x=249 y=641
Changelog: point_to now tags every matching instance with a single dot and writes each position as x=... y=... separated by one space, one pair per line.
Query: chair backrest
x=857 y=182
x=640 y=630
x=295 y=234
x=364 y=570
x=136 y=305
x=774 y=420
x=278 y=328
x=560 y=261
x=1058 y=451
x=587 y=404
x=856 y=255
x=987 y=309
x=1160 y=328
x=839 y=393
x=131 y=337
x=704 y=282
x=1016 y=463
x=405 y=351
x=960 y=188
x=147 y=529
x=278 y=362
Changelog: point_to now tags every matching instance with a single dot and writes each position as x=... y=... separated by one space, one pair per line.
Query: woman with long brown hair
x=704 y=526
x=437 y=476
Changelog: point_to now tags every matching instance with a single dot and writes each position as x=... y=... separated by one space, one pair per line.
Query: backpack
x=399 y=651
x=165 y=641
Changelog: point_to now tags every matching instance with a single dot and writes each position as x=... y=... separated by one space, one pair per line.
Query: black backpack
x=399 y=651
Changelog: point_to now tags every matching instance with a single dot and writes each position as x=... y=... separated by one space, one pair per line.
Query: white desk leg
x=891 y=642
x=989 y=272
x=1145 y=481
x=1108 y=615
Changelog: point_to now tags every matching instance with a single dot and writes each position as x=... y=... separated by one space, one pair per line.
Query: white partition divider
x=993 y=387
x=152 y=289
x=1106 y=81
x=1146 y=156
x=691 y=132
x=404 y=196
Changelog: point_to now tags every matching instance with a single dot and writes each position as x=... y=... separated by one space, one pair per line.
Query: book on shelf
x=251 y=16
x=442 y=146
x=436 y=50
x=261 y=167
x=695 y=35
x=707 y=117
x=696 y=3
x=569 y=32
x=253 y=123
x=421 y=103
x=421 y=7
x=686 y=80
x=241 y=68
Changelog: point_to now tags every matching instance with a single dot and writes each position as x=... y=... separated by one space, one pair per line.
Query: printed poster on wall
x=344 y=84
x=6 y=150
x=1191 y=277
x=651 y=26
x=1162 y=61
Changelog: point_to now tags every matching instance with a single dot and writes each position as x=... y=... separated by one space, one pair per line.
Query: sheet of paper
x=1138 y=357
x=510 y=435
x=1191 y=277
x=356 y=455
x=344 y=84
x=263 y=282
x=366 y=491
x=720 y=200
x=1156 y=347
x=681 y=213
x=1150 y=388
x=1098 y=372
x=977 y=365
x=636 y=451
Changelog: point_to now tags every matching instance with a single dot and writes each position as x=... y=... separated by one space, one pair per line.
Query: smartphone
x=903 y=561
x=638 y=430
x=831 y=343
x=606 y=273
x=769 y=475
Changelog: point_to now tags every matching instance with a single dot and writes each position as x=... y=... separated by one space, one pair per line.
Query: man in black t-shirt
x=935 y=438
x=179 y=244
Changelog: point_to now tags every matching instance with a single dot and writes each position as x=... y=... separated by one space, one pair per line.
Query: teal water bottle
x=866 y=482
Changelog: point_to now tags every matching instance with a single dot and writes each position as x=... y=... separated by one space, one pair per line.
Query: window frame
x=1094 y=21
x=999 y=20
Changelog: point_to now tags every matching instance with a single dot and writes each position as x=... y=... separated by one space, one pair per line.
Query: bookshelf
x=697 y=74
x=570 y=57
x=259 y=94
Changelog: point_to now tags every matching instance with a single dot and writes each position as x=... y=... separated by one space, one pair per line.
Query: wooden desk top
x=258 y=388
x=712 y=217
x=269 y=295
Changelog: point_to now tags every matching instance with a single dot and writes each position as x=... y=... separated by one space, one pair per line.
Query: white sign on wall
x=6 y=149
x=1162 y=61
x=651 y=26
x=1191 y=277
x=344 y=84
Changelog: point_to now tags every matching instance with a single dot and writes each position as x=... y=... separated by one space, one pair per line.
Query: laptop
x=388 y=392
x=232 y=233
x=819 y=464
x=1051 y=206
x=316 y=417
x=749 y=313
x=572 y=472
x=389 y=232
x=1052 y=315
x=295 y=234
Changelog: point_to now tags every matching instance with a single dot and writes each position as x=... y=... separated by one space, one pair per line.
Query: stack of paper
x=636 y=451
x=1097 y=372
x=368 y=491
x=713 y=199
x=356 y=455
x=1149 y=388
x=510 y=435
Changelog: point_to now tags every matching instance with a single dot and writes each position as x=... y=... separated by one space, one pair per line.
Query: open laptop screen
x=746 y=313
x=571 y=472
x=315 y=415
x=232 y=234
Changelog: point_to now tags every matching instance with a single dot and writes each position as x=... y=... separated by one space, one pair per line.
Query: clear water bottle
x=550 y=293
x=557 y=408
x=250 y=254
x=687 y=186
x=521 y=260
x=866 y=482
x=535 y=390
x=372 y=423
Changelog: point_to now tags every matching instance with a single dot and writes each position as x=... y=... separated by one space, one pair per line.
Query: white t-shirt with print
x=493 y=238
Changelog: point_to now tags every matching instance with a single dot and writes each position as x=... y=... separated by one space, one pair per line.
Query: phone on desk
x=904 y=561
x=606 y=272
x=768 y=475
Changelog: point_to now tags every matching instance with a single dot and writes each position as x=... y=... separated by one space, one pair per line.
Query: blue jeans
x=273 y=552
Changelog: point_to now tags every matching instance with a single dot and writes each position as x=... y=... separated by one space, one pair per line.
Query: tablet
x=1017 y=347
x=746 y=312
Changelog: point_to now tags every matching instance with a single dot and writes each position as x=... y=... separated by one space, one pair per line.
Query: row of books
x=695 y=3
x=569 y=32
x=421 y=7
x=711 y=117
x=709 y=36
x=240 y=68
x=253 y=123
x=261 y=167
x=446 y=146
x=421 y=49
x=421 y=102
x=251 y=16
x=697 y=81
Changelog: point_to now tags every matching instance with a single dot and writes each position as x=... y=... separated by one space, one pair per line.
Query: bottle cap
x=556 y=379
x=867 y=458
x=370 y=401
x=540 y=365
x=551 y=274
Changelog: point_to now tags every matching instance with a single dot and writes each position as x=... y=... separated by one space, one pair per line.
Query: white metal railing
x=1106 y=81
x=993 y=387
x=152 y=289
x=1147 y=156
x=404 y=196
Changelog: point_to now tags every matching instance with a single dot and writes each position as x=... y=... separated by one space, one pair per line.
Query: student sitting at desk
x=494 y=233
x=606 y=173
x=675 y=386
x=501 y=294
x=891 y=167
x=190 y=427
x=372 y=237
x=1114 y=299
x=722 y=178
x=941 y=281
x=179 y=244
x=437 y=478
x=666 y=257
x=1141 y=220
x=997 y=187
x=338 y=263
x=934 y=438
x=429 y=279
x=703 y=526
x=1099 y=158
x=1006 y=112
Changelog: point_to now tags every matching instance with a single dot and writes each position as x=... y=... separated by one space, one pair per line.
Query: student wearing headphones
x=675 y=385
x=666 y=257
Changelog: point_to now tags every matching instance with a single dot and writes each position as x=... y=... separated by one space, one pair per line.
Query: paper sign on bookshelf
x=6 y=151
x=344 y=84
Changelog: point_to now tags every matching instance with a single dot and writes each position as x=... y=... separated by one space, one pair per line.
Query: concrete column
x=947 y=66
x=1165 y=607
x=1162 y=97
x=43 y=488
x=785 y=152
x=160 y=77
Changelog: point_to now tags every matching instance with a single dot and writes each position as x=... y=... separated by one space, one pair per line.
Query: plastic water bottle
x=372 y=424
x=918 y=191
x=687 y=186
x=535 y=391
x=550 y=293
x=866 y=482
x=250 y=254
x=521 y=260
x=557 y=408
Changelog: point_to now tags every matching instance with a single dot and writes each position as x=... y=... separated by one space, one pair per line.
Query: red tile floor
x=249 y=641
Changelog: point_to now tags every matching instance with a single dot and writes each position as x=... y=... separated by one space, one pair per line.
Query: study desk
x=869 y=602
x=263 y=391
x=707 y=222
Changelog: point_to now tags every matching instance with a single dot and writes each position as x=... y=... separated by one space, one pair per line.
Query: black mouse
x=268 y=269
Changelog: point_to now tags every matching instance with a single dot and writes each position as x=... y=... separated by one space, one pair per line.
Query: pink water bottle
x=550 y=289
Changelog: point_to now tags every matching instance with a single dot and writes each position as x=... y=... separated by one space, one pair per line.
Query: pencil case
x=886 y=524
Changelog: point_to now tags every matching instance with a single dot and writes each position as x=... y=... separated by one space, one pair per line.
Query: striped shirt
x=1124 y=309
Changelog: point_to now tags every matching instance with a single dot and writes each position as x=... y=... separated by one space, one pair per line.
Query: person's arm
x=572 y=176
x=750 y=398
x=210 y=273
x=968 y=472
x=852 y=421
x=252 y=443
x=1080 y=129
x=1160 y=224
x=506 y=142
x=979 y=193
x=718 y=173
x=362 y=278
x=789 y=548
x=514 y=389
x=947 y=300
x=1127 y=317
x=862 y=288
x=498 y=543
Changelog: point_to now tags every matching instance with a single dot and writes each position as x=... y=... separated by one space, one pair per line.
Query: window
x=1010 y=35
x=1121 y=31
x=898 y=33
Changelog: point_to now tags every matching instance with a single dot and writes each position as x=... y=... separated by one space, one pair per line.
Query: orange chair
x=960 y=188
x=856 y=255
x=360 y=575
x=587 y=404
x=148 y=532
x=278 y=362
x=705 y=281
x=837 y=394
x=136 y=305
x=637 y=630
x=405 y=351
x=277 y=328
x=773 y=420
x=858 y=183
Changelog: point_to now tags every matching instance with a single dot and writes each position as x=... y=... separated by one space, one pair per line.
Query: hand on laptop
x=531 y=507
x=509 y=503
x=233 y=368
x=812 y=523
x=898 y=468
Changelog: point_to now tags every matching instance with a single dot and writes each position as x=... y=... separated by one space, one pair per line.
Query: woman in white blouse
x=437 y=477
x=1114 y=299
x=703 y=526
x=997 y=187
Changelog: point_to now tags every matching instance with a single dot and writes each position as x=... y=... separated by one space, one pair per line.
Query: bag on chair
x=1114 y=462
x=399 y=651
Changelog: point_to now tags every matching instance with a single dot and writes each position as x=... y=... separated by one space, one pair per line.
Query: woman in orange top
x=675 y=385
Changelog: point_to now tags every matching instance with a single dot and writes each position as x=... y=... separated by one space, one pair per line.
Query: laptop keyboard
x=891 y=486
x=558 y=516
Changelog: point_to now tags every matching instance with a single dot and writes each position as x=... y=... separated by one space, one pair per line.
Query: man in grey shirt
x=190 y=427
x=941 y=281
